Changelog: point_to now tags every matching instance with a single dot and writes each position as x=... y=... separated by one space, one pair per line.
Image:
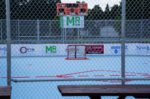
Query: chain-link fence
x=121 y=28
x=3 y=47
x=138 y=10
x=94 y=30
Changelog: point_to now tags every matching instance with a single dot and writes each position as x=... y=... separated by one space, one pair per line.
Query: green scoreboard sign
x=72 y=21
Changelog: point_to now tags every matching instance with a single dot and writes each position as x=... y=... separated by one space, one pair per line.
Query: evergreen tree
x=115 y=12
x=137 y=9
x=96 y=13
x=107 y=12
x=2 y=9
x=34 y=9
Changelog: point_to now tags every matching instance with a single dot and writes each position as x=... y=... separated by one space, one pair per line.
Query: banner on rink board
x=72 y=21
x=38 y=49
x=61 y=49
x=130 y=49
x=3 y=50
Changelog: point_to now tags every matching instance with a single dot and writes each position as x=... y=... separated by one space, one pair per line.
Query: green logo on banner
x=75 y=21
x=51 y=49
x=72 y=21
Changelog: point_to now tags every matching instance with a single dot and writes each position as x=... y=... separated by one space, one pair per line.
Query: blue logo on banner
x=143 y=48
x=4 y=49
x=117 y=49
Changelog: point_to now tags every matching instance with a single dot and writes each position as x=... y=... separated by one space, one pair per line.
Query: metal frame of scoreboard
x=72 y=9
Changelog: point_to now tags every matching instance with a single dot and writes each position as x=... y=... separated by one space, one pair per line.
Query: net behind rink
x=76 y=52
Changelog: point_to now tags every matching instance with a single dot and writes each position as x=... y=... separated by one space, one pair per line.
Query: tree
x=137 y=9
x=89 y=15
x=2 y=9
x=34 y=9
x=115 y=12
x=107 y=12
x=95 y=14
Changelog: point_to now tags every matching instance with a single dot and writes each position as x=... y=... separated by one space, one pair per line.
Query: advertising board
x=72 y=21
x=26 y=50
x=61 y=49
x=3 y=50
x=94 y=49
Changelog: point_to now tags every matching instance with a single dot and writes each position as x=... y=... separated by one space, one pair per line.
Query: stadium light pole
x=123 y=28
x=8 y=42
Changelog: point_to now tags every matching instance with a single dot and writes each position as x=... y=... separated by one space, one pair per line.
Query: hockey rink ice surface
x=25 y=68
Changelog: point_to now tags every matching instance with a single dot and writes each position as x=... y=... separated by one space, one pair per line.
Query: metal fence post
x=8 y=42
x=38 y=30
x=18 y=29
x=1 y=30
x=123 y=41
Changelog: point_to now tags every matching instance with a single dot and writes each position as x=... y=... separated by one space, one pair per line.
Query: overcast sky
x=91 y=3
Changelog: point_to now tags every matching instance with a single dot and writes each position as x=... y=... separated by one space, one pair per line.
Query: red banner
x=94 y=49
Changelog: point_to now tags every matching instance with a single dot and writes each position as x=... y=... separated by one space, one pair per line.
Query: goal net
x=76 y=52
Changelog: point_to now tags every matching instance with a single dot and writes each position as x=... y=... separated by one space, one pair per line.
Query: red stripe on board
x=128 y=80
x=77 y=59
x=63 y=76
x=90 y=71
x=139 y=73
x=99 y=70
x=130 y=75
x=115 y=71
x=58 y=76
x=145 y=74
